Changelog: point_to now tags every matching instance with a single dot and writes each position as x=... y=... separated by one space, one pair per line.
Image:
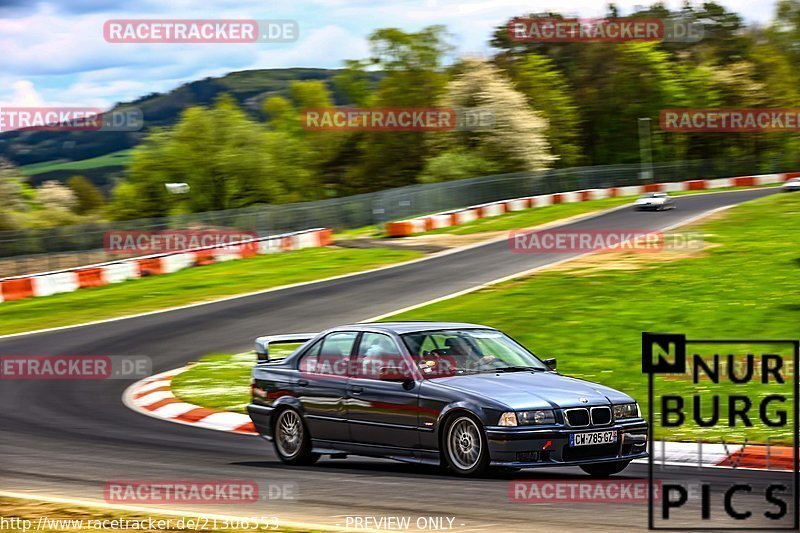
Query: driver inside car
x=469 y=352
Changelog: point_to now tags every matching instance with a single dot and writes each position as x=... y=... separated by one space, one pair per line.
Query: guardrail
x=455 y=217
x=69 y=280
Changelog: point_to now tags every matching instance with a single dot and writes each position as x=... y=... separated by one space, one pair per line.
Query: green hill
x=58 y=154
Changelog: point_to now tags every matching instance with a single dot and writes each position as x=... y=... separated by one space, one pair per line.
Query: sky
x=53 y=53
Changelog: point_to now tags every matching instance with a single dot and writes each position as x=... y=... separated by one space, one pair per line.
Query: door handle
x=356 y=390
x=302 y=382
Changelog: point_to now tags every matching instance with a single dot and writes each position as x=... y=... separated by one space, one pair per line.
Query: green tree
x=12 y=186
x=548 y=92
x=413 y=76
x=626 y=82
x=355 y=82
x=456 y=164
x=88 y=196
x=220 y=152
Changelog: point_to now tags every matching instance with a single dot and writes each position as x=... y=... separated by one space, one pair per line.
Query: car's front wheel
x=292 y=441
x=605 y=469
x=465 y=446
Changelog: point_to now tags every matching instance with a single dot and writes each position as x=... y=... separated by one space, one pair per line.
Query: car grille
x=581 y=417
x=601 y=416
x=577 y=418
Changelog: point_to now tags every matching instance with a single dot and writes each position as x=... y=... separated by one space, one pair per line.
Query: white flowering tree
x=54 y=196
x=517 y=139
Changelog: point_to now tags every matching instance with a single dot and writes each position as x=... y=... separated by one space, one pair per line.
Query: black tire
x=291 y=438
x=605 y=469
x=464 y=446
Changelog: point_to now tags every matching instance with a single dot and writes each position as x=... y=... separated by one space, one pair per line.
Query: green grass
x=217 y=381
x=591 y=319
x=114 y=159
x=192 y=285
x=222 y=381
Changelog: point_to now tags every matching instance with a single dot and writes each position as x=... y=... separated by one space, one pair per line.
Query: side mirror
x=551 y=363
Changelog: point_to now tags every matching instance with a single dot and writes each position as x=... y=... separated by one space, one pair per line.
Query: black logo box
x=674 y=344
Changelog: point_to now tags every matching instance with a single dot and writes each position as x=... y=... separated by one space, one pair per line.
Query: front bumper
x=530 y=446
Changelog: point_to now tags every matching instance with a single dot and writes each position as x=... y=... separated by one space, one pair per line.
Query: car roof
x=409 y=327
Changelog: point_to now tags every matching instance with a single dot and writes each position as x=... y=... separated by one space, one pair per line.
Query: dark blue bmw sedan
x=461 y=395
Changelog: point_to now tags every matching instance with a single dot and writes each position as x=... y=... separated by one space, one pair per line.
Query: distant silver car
x=654 y=201
x=792 y=185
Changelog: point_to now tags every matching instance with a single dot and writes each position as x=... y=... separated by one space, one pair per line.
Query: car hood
x=534 y=390
x=650 y=201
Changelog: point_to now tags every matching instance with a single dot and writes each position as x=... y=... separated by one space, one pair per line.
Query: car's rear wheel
x=465 y=446
x=292 y=441
x=605 y=469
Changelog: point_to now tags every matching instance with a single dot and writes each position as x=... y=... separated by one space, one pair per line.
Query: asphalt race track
x=68 y=438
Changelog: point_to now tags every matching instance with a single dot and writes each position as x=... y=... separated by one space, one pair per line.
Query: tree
x=355 y=83
x=88 y=196
x=222 y=154
x=622 y=83
x=548 y=91
x=518 y=139
x=456 y=164
x=53 y=196
x=125 y=204
x=12 y=188
x=413 y=76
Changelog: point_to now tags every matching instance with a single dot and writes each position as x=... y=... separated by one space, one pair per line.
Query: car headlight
x=508 y=419
x=626 y=410
x=536 y=418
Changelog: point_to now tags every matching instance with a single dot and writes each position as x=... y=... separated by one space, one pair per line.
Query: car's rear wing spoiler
x=263 y=343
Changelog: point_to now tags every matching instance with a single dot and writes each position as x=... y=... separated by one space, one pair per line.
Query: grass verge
x=217 y=381
x=192 y=285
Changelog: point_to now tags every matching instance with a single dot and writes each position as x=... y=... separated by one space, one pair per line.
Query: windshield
x=447 y=352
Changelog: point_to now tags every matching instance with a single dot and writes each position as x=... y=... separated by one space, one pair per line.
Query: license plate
x=592 y=438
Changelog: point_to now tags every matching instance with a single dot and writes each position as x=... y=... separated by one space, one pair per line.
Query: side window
x=308 y=361
x=330 y=355
x=378 y=351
